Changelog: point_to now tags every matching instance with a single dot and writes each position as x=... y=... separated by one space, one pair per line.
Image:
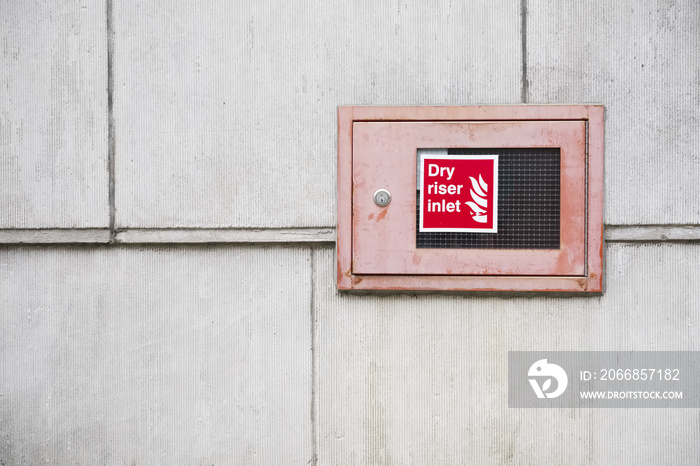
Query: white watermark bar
x=604 y=379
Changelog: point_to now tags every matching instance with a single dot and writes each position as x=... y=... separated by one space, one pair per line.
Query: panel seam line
x=314 y=373
x=111 y=140
x=310 y=236
x=525 y=89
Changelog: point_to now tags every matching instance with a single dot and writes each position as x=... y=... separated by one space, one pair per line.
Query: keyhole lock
x=382 y=197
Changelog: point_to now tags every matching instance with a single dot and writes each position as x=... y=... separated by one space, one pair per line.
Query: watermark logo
x=543 y=370
x=604 y=379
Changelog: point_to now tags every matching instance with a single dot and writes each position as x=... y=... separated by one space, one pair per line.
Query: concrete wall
x=133 y=133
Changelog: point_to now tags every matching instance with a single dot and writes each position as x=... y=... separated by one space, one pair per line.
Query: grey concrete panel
x=423 y=379
x=140 y=355
x=641 y=60
x=53 y=115
x=226 y=113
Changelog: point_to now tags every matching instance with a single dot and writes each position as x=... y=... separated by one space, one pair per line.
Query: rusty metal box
x=396 y=166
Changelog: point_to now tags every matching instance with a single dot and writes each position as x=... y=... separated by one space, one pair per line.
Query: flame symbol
x=478 y=194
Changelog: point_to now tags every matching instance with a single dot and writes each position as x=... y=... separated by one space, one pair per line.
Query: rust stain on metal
x=371 y=216
x=381 y=216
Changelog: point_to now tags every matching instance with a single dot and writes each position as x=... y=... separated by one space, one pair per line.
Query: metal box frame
x=376 y=245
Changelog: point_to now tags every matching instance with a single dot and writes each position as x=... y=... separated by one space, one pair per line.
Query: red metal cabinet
x=377 y=149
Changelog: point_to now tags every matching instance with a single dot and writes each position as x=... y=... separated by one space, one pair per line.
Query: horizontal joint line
x=321 y=235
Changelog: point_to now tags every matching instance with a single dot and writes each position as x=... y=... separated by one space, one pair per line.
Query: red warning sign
x=459 y=193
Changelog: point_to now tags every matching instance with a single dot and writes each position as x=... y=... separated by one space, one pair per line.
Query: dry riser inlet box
x=484 y=198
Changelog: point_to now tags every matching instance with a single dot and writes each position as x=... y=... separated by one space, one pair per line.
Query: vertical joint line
x=525 y=87
x=111 y=141
x=314 y=374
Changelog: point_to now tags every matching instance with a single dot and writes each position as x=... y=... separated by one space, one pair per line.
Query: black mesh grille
x=528 y=204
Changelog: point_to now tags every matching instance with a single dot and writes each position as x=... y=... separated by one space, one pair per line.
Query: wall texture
x=134 y=136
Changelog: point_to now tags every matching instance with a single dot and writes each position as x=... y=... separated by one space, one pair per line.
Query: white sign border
x=428 y=156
